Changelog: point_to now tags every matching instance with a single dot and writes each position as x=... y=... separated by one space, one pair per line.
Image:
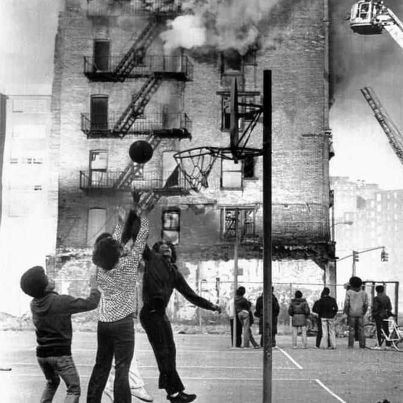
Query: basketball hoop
x=196 y=165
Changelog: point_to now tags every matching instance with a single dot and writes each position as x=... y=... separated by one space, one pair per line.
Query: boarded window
x=96 y=224
x=168 y=167
x=231 y=174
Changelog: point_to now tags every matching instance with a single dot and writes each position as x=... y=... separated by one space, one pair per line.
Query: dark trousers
x=381 y=324
x=159 y=333
x=356 y=328
x=238 y=340
x=273 y=331
x=115 y=339
x=55 y=368
x=319 y=333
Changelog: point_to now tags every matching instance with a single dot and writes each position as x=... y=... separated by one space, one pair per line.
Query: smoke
x=218 y=24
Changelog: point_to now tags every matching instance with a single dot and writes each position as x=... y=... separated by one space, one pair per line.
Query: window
x=101 y=55
x=99 y=112
x=246 y=222
x=231 y=174
x=171 y=225
x=98 y=167
x=96 y=224
x=168 y=167
x=249 y=167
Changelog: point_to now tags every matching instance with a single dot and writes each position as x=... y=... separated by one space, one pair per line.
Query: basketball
x=140 y=152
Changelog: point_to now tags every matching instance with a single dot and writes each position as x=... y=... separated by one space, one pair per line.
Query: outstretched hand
x=121 y=213
x=217 y=308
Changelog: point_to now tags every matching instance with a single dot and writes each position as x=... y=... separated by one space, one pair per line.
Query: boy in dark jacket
x=327 y=309
x=381 y=309
x=161 y=277
x=275 y=313
x=299 y=311
x=51 y=314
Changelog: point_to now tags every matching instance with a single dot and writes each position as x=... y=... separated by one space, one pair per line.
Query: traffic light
x=356 y=257
x=384 y=256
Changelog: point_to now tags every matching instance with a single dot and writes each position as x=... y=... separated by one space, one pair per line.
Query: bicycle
x=395 y=336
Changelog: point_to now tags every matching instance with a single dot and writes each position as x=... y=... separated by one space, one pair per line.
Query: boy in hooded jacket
x=299 y=311
x=355 y=307
x=51 y=314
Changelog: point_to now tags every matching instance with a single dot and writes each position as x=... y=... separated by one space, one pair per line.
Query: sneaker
x=376 y=348
x=141 y=394
x=182 y=397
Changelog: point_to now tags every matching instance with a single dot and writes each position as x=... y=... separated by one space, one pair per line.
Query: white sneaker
x=141 y=394
x=376 y=348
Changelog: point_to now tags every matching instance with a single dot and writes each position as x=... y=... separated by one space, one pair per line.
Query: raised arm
x=183 y=287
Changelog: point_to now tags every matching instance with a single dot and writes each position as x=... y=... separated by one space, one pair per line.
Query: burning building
x=161 y=71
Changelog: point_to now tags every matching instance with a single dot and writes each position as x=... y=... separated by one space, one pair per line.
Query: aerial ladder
x=392 y=132
x=373 y=17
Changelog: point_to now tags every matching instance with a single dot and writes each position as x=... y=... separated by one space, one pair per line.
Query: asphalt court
x=212 y=369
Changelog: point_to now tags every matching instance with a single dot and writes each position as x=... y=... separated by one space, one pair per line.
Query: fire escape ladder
x=136 y=106
x=132 y=170
x=135 y=55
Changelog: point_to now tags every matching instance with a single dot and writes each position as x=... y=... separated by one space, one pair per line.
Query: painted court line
x=290 y=358
x=329 y=391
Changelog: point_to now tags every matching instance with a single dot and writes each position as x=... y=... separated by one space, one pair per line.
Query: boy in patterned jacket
x=115 y=333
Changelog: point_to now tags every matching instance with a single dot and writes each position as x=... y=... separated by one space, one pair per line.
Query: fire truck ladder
x=135 y=55
x=136 y=106
x=132 y=169
x=390 y=129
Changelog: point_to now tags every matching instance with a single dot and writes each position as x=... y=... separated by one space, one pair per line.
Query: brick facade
x=293 y=45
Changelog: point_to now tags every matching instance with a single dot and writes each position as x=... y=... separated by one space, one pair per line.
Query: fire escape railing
x=177 y=125
x=178 y=67
x=146 y=181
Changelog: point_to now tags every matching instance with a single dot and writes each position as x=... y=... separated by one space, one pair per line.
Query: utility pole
x=236 y=245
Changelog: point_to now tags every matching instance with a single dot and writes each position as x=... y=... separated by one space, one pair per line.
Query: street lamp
x=339 y=223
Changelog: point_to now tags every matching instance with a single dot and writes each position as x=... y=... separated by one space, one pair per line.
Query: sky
x=27 y=33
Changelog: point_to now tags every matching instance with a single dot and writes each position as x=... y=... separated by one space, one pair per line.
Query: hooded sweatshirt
x=51 y=315
x=356 y=303
x=299 y=311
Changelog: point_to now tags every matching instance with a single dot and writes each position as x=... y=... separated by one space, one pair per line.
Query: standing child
x=355 y=307
x=327 y=309
x=299 y=311
x=51 y=314
x=381 y=310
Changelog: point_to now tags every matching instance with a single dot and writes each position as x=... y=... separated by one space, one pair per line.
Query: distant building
x=29 y=193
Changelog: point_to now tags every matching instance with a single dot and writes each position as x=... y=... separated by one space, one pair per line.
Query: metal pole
x=267 y=238
x=354 y=270
x=235 y=277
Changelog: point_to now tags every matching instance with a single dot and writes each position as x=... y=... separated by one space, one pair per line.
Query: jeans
x=295 y=333
x=328 y=333
x=247 y=332
x=55 y=368
x=159 y=333
x=115 y=339
x=356 y=327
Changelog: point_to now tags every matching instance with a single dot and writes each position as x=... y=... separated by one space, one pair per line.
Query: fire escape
x=136 y=64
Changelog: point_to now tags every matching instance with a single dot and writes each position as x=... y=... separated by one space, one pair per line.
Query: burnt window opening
x=101 y=55
x=99 y=112
x=249 y=167
x=171 y=225
x=226 y=111
x=246 y=223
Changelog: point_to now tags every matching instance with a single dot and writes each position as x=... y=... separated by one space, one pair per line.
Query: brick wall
x=293 y=47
